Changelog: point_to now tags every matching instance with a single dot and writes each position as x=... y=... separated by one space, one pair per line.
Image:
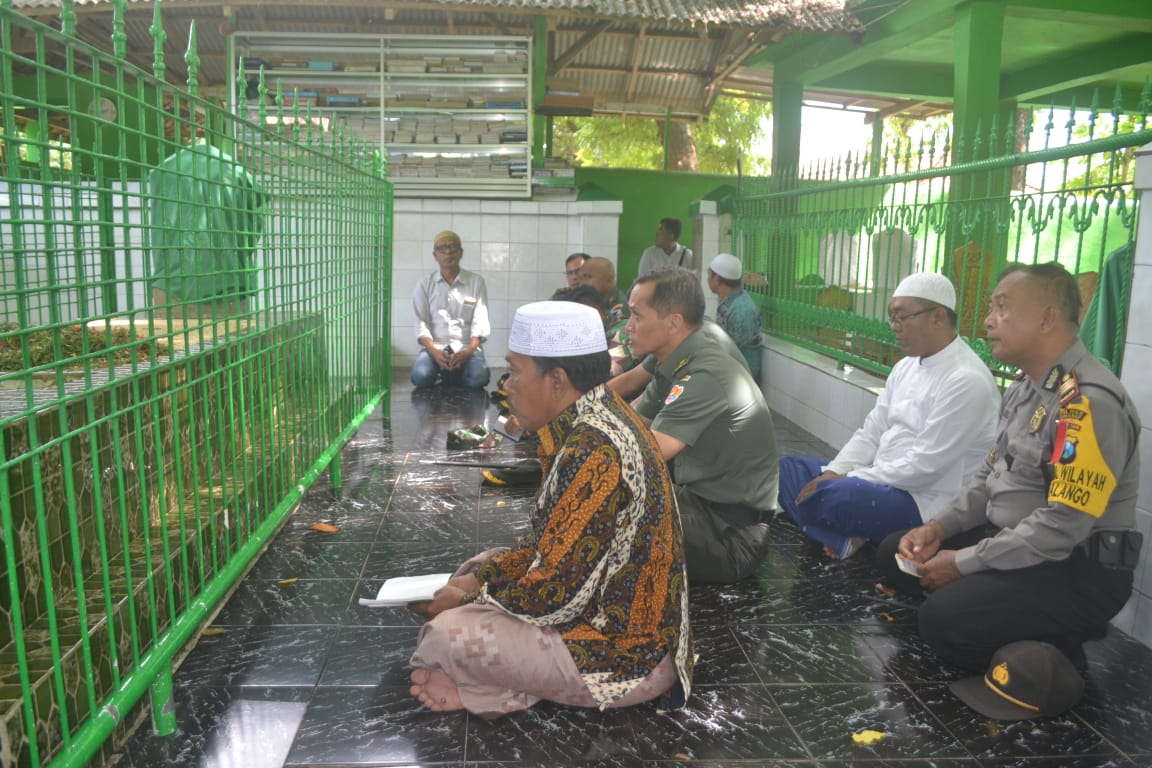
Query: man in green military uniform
x=712 y=425
x=1041 y=544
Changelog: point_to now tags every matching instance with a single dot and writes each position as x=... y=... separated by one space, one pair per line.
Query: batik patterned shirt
x=605 y=566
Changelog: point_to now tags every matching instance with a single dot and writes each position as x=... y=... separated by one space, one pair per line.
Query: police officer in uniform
x=712 y=425
x=1041 y=544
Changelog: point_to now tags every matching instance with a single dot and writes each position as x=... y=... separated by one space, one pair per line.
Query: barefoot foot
x=435 y=690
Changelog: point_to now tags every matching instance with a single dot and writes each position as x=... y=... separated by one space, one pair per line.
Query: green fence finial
x=1049 y=125
x=1146 y=100
x=192 y=59
x=1070 y=123
x=296 y=115
x=159 y=38
x=67 y=17
x=1093 y=112
x=119 y=38
x=279 y=102
x=1117 y=107
x=262 y=92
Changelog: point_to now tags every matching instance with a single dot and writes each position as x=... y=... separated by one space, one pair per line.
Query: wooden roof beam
x=637 y=54
x=566 y=58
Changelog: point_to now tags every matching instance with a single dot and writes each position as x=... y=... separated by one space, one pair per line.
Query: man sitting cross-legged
x=926 y=436
x=592 y=611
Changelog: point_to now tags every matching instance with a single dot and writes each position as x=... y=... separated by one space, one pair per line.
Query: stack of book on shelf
x=407 y=66
x=362 y=66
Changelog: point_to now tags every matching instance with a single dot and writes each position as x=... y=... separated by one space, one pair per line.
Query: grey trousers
x=722 y=543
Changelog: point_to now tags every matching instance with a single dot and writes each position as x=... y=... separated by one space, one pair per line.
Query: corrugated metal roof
x=647 y=56
x=801 y=15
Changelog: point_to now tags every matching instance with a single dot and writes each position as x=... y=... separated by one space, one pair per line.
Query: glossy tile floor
x=791 y=663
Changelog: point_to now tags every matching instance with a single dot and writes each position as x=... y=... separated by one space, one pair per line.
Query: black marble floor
x=792 y=663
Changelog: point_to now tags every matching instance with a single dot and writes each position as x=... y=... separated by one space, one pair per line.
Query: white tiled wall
x=1136 y=618
x=518 y=246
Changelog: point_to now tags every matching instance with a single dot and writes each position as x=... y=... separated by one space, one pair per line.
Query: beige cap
x=556 y=329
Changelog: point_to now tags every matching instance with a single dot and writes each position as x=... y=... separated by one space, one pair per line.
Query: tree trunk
x=681 y=146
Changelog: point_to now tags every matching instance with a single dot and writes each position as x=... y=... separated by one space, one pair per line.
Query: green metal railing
x=833 y=240
x=194 y=318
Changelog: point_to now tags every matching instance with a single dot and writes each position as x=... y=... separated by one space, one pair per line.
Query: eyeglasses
x=447 y=248
x=898 y=320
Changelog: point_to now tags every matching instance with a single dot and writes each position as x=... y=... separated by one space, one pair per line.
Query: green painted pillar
x=781 y=243
x=787 y=102
x=539 y=87
x=876 y=161
x=979 y=38
x=976 y=248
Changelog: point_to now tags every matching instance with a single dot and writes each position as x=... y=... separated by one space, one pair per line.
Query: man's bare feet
x=855 y=544
x=435 y=690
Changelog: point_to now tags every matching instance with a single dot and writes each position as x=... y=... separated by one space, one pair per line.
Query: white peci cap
x=727 y=266
x=557 y=329
x=929 y=286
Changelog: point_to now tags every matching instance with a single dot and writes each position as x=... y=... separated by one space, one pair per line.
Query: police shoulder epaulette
x=1069 y=388
x=1055 y=376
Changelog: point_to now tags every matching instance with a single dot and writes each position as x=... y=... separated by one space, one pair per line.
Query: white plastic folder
x=401 y=590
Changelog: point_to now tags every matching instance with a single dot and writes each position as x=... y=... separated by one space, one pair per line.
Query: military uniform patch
x=680 y=365
x=673 y=394
x=1053 y=377
x=1083 y=480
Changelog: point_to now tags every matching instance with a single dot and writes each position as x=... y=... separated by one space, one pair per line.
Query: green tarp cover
x=204 y=211
x=1106 y=321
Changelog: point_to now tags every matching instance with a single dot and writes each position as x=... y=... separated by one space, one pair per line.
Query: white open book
x=402 y=590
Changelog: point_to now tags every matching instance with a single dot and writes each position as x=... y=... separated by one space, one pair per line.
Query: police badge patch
x=1037 y=419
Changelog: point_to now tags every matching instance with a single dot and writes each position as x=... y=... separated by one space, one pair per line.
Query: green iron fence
x=834 y=240
x=195 y=319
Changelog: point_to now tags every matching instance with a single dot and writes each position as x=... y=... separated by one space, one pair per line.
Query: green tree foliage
x=734 y=126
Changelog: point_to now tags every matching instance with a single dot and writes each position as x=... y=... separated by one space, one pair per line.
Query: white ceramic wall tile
x=1143 y=575
x=522 y=287
x=404 y=283
x=599 y=231
x=1125 y=620
x=495 y=228
x=1144 y=237
x=552 y=230
x=495 y=206
x=432 y=225
x=1144 y=501
x=406 y=226
x=1141 y=627
x=575 y=236
x=500 y=312
x=469 y=226
x=406 y=205
x=547 y=283
x=550 y=260
x=554 y=209
x=523 y=228
x=1137 y=364
x=493 y=258
x=522 y=257
x=1140 y=309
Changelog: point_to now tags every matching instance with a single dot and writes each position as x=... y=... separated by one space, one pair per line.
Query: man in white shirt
x=667 y=252
x=927 y=435
x=451 y=307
